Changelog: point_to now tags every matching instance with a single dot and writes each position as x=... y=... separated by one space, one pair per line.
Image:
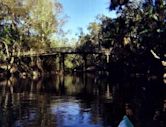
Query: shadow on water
x=85 y=100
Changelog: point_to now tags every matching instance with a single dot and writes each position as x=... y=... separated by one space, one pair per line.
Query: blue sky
x=81 y=12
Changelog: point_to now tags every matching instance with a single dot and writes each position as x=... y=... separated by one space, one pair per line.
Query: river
x=84 y=100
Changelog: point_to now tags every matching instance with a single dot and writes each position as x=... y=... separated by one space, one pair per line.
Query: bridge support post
x=85 y=62
x=108 y=58
x=62 y=62
x=108 y=53
x=59 y=60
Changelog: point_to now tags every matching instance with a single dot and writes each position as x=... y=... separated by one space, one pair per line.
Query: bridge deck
x=56 y=51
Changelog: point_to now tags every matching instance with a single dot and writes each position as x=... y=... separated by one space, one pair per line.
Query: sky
x=81 y=12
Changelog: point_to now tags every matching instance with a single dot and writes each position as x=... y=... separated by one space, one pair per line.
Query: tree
x=44 y=20
x=11 y=24
x=117 y=3
x=32 y=23
x=137 y=34
x=26 y=25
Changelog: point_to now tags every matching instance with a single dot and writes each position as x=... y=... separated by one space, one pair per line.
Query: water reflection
x=74 y=114
x=81 y=101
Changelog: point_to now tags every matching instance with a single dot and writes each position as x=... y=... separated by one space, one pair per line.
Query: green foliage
x=89 y=42
x=28 y=24
x=43 y=20
x=117 y=3
x=69 y=61
x=139 y=29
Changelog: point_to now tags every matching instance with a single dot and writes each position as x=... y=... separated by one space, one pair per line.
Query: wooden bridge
x=59 y=50
x=61 y=53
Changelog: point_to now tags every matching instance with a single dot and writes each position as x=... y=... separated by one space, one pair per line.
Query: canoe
x=125 y=122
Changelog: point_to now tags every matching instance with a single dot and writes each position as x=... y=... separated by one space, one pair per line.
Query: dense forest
x=27 y=26
x=132 y=43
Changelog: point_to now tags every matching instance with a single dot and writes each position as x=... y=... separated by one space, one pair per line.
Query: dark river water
x=82 y=101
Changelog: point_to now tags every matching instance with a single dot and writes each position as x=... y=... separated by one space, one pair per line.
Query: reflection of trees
x=143 y=96
x=7 y=101
x=24 y=107
x=97 y=99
